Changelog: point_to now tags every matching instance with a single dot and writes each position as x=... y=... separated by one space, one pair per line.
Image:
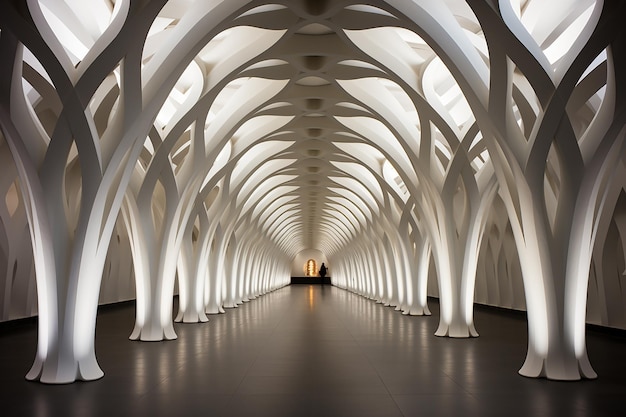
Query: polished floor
x=313 y=351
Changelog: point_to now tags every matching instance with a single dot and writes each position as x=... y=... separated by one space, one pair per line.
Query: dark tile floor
x=312 y=351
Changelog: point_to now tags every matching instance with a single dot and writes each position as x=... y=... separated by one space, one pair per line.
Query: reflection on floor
x=313 y=351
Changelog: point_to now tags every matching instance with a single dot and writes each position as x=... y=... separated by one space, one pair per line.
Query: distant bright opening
x=311 y=268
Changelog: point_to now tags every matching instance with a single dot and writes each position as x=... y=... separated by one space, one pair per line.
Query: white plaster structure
x=472 y=151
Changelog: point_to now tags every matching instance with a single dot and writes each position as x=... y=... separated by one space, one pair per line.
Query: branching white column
x=70 y=246
x=554 y=223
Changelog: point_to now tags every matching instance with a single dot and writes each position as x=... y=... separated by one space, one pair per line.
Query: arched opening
x=310 y=269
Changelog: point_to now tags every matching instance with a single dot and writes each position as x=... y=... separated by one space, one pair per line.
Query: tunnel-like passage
x=469 y=151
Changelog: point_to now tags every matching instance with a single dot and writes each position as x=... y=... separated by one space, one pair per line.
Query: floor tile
x=311 y=351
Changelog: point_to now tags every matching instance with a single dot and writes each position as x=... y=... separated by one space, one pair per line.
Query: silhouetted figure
x=323 y=272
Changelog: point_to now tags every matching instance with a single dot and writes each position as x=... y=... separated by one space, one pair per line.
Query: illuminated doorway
x=311 y=268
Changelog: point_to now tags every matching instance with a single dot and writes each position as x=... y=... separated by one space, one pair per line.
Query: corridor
x=312 y=351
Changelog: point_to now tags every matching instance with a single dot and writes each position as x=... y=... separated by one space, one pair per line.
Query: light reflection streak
x=311 y=298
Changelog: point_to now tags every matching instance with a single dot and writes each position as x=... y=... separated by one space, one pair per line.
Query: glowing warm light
x=311 y=268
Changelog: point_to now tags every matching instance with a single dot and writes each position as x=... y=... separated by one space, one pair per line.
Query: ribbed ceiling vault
x=332 y=113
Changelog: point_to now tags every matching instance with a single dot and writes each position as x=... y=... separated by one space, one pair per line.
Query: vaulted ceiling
x=324 y=108
x=318 y=104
